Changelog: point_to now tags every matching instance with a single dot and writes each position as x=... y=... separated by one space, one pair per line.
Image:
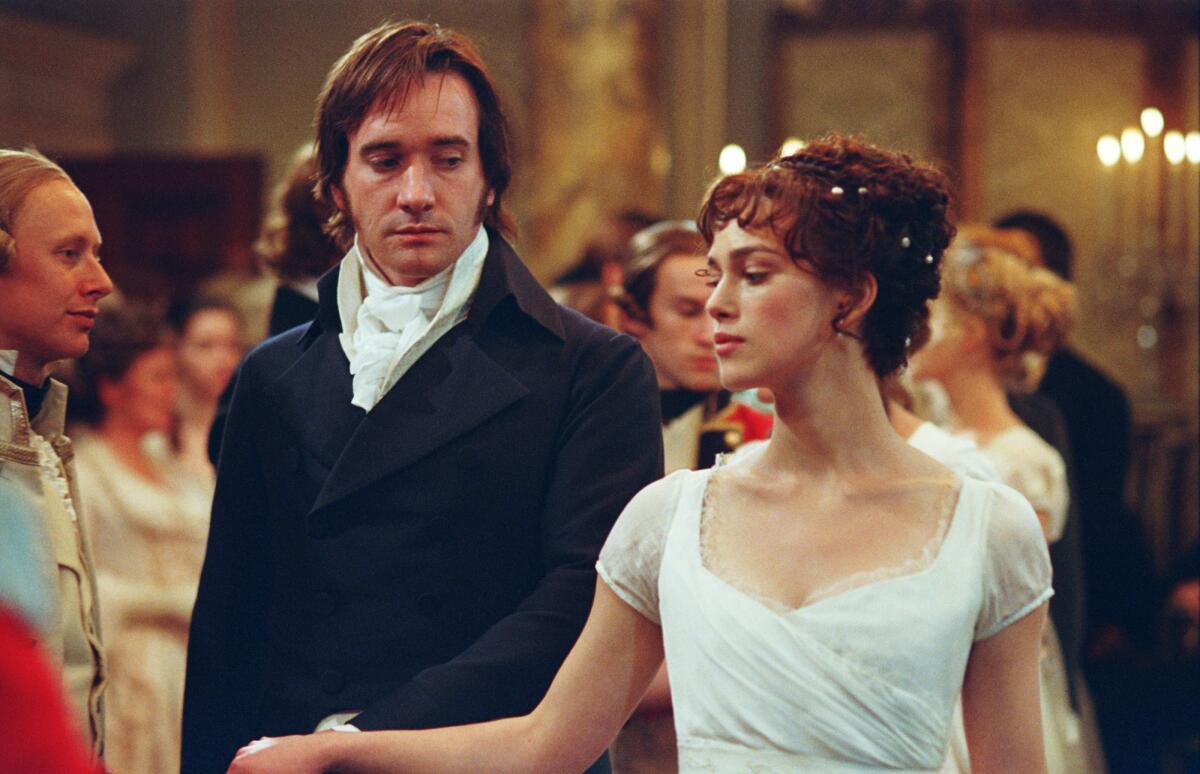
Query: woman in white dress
x=993 y=327
x=822 y=601
x=149 y=523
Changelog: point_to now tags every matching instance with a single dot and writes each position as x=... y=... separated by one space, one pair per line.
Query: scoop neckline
x=780 y=610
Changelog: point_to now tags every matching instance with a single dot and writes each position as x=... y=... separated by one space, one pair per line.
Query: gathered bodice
x=861 y=679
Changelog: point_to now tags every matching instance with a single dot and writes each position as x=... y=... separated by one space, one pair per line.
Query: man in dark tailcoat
x=412 y=489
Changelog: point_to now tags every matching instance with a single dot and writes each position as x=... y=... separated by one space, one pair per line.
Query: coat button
x=332 y=681
x=324 y=603
x=428 y=603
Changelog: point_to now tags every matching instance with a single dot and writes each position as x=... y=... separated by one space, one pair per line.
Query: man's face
x=414 y=184
x=678 y=338
x=49 y=291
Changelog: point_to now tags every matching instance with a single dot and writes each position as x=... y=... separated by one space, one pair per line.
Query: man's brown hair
x=378 y=70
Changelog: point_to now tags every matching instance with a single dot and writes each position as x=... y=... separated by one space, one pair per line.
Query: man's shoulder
x=586 y=336
x=276 y=353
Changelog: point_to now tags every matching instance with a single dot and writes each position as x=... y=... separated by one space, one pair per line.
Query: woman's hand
x=308 y=754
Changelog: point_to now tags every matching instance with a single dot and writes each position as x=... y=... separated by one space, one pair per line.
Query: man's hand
x=308 y=754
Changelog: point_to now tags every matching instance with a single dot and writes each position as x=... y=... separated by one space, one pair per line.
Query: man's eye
x=452 y=161
x=755 y=277
x=383 y=162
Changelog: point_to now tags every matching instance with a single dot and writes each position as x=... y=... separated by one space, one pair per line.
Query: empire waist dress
x=863 y=679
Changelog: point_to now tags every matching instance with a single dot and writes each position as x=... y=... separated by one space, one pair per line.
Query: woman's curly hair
x=845 y=209
x=1028 y=311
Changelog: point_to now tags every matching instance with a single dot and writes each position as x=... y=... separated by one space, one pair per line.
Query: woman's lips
x=724 y=344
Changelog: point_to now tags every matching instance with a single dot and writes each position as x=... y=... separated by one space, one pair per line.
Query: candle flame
x=1133 y=145
x=1152 y=121
x=1108 y=148
x=1174 y=147
x=1193 y=147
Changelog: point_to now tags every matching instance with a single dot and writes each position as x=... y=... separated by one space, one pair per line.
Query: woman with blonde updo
x=995 y=324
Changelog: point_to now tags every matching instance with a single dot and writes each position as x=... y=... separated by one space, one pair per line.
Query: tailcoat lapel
x=453 y=388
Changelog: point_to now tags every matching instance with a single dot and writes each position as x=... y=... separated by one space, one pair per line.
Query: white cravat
x=386 y=328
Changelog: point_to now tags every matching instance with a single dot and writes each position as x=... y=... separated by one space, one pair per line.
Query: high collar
x=48 y=421
x=503 y=275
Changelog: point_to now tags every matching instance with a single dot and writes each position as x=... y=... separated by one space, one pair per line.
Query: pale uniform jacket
x=73 y=635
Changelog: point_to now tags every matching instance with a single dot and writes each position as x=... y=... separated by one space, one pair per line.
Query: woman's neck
x=126 y=442
x=831 y=422
x=196 y=410
x=979 y=403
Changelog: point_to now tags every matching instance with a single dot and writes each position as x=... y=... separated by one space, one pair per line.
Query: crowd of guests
x=823 y=340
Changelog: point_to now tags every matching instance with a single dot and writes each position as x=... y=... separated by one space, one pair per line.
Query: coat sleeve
x=610 y=446
x=228 y=626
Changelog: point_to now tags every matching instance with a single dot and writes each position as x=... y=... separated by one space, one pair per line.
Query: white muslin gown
x=862 y=680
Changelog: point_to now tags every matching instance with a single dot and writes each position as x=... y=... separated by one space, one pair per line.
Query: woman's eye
x=755 y=277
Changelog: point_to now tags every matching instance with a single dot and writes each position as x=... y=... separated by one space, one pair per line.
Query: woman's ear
x=973 y=332
x=856 y=301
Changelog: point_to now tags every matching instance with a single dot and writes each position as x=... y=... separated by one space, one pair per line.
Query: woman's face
x=943 y=353
x=209 y=351
x=772 y=317
x=148 y=394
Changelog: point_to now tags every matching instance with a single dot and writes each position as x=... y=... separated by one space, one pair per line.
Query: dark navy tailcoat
x=431 y=561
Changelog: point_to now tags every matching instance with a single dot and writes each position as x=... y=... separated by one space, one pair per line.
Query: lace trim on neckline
x=924 y=559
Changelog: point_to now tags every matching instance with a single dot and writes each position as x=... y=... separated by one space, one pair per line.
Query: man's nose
x=98 y=284
x=416 y=190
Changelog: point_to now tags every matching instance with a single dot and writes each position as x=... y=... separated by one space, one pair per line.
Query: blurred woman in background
x=993 y=327
x=209 y=347
x=150 y=524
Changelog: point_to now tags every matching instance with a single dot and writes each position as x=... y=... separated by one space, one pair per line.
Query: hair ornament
x=929 y=258
x=907 y=342
x=905 y=242
x=836 y=190
x=967 y=255
x=862 y=190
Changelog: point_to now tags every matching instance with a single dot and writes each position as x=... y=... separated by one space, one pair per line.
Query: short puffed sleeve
x=632 y=554
x=1016 y=564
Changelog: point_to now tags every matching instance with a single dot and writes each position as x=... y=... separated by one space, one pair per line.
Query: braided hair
x=846 y=209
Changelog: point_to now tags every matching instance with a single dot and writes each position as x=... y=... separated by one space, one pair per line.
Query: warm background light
x=1174 y=146
x=1108 y=148
x=1193 y=147
x=792 y=145
x=732 y=159
x=1152 y=121
x=1133 y=145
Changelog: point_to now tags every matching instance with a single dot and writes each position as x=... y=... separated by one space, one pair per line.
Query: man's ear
x=339 y=198
x=856 y=302
x=632 y=325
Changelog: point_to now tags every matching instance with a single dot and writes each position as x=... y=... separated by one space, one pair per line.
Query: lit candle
x=1152 y=127
x=1192 y=145
x=1175 y=151
x=1133 y=147
x=1108 y=148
